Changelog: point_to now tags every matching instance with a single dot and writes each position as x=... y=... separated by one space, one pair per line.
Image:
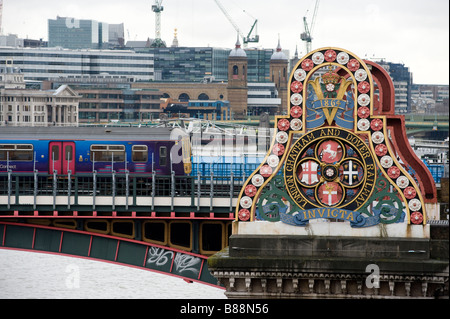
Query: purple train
x=104 y=149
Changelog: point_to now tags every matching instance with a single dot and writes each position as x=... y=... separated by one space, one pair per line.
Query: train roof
x=90 y=133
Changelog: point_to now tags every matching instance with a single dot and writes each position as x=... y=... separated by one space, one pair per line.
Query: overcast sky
x=413 y=32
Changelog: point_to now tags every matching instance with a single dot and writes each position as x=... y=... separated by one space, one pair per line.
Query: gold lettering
x=321 y=212
x=350 y=216
x=334 y=213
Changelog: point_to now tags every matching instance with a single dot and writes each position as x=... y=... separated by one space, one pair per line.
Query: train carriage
x=83 y=150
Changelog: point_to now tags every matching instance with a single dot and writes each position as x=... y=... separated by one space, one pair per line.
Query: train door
x=61 y=157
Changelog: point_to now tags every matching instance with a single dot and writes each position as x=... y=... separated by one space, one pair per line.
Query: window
x=16 y=152
x=139 y=153
x=55 y=153
x=69 y=153
x=162 y=156
x=107 y=153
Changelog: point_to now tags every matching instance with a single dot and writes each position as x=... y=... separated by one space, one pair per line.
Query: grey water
x=29 y=275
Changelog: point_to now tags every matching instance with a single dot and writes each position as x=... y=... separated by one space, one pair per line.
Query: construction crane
x=307 y=35
x=245 y=39
x=157 y=8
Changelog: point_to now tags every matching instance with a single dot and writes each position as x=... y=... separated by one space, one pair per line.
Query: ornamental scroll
x=335 y=154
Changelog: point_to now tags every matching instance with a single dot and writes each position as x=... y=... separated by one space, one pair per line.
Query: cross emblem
x=309 y=173
x=350 y=173
x=330 y=190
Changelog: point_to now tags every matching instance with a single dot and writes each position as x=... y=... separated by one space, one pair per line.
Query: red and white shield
x=330 y=194
x=330 y=152
x=308 y=173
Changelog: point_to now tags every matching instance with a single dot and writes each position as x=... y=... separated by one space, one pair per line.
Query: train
x=139 y=151
x=72 y=150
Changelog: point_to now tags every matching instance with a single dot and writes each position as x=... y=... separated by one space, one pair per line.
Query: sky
x=412 y=32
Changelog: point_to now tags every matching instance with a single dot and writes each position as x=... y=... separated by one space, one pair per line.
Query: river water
x=29 y=275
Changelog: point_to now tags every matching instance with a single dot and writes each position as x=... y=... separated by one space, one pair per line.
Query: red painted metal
x=61 y=157
x=90 y=246
x=385 y=105
x=201 y=269
x=34 y=238
x=117 y=250
x=60 y=241
x=4 y=234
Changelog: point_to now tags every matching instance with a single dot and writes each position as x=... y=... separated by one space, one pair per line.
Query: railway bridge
x=339 y=191
x=169 y=224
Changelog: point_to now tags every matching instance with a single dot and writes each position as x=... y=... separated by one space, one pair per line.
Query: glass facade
x=46 y=63
x=186 y=64
x=197 y=64
x=72 y=33
x=258 y=64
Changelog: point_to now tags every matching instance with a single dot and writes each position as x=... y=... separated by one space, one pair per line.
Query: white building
x=41 y=64
x=22 y=107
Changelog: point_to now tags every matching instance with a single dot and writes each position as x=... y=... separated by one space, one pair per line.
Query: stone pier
x=318 y=264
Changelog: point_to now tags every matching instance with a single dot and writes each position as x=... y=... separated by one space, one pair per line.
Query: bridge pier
x=308 y=266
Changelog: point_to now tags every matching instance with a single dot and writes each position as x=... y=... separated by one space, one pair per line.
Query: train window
x=140 y=153
x=55 y=153
x=69 y=153
x=162 y=156
x=16 y=152
x=108 y=153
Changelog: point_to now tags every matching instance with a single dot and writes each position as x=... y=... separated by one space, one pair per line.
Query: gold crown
x=331 y=77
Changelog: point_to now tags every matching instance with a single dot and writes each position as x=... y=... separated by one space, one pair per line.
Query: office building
x=112 y=99
x=202 y=64
x=430 y=99
x=71 y=33
x=40 y=64
x=402 y=80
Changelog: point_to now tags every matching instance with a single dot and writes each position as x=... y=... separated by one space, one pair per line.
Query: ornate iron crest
x=342 y=164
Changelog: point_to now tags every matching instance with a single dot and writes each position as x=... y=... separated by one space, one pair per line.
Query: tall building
x=189 y=64
x=279 y=75
x=237 y=81
x=402 y=79
x=40 y=64
x=116 y=35
x=197 y=64
x=71 y=33
x=258 y=64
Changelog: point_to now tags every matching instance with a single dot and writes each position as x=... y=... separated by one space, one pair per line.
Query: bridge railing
x=197 y=190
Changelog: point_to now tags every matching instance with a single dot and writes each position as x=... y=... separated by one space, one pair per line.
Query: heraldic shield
x=332 y=155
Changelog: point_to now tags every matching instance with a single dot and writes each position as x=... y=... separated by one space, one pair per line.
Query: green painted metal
x=38 y=238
